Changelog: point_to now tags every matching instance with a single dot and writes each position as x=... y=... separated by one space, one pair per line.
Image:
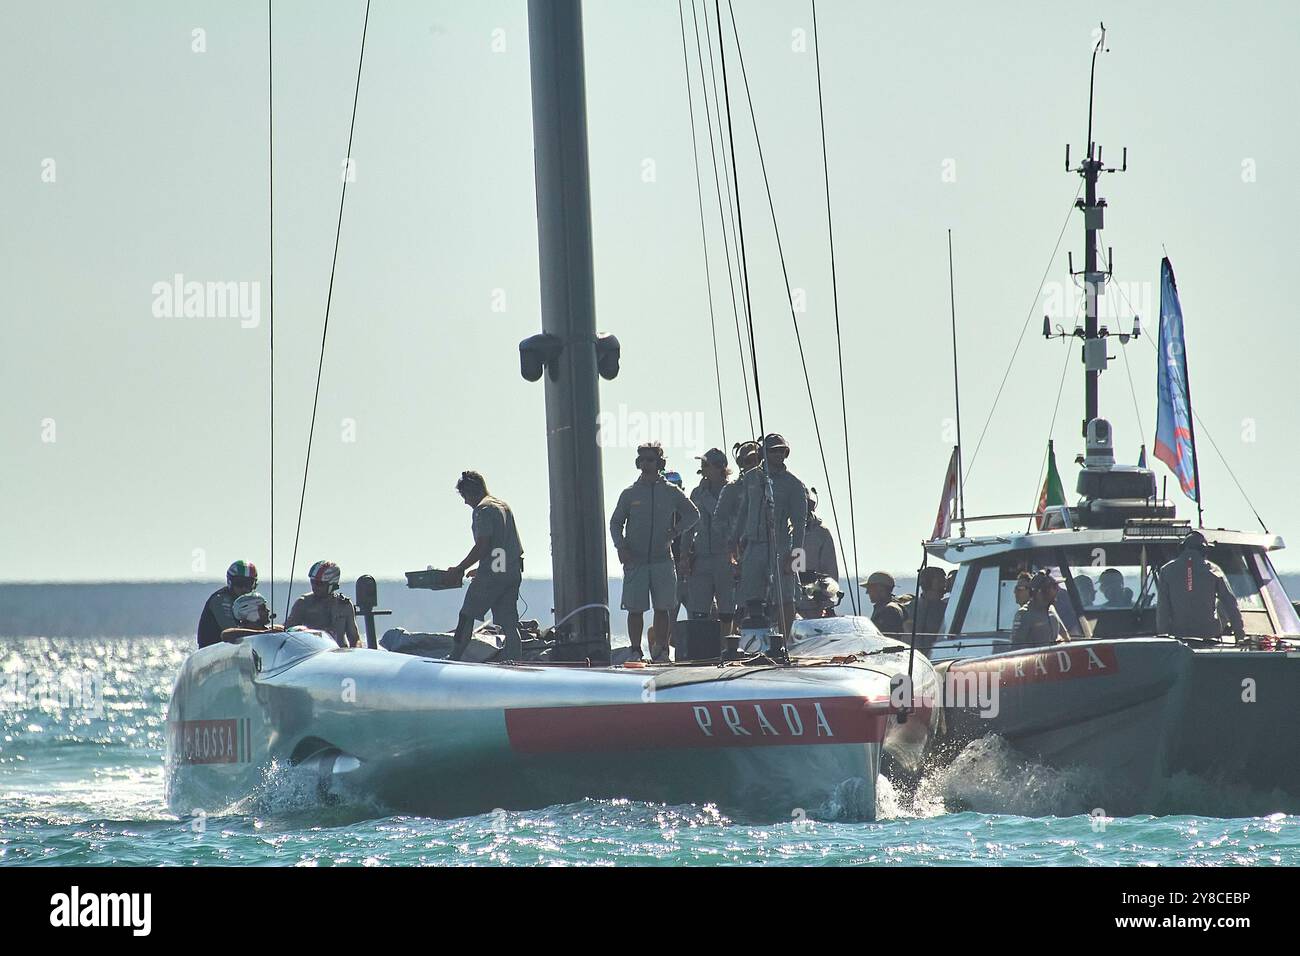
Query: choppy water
x=81 y=783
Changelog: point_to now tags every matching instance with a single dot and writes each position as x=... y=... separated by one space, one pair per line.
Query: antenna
x=1094 y=338
x=956 y=395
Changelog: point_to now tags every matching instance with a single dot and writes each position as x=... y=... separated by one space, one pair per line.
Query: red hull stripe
x=1056 y=664
x=702 y=724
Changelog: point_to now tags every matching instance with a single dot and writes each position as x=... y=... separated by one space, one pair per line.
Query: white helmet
x=248 y=608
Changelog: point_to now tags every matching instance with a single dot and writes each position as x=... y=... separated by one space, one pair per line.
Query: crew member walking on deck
x=642 y=528
x=500 y=558
x=886 y=613
x=218 y=612
x=1037 y=624
x=325 y=609
x=712 y=582
x=1194 y=596
x=770 y=526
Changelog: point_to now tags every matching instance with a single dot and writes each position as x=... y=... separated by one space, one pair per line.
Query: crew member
x=1111 y=585
x=886 y=613
x=712 y=582
x=253 y=616
x=819 y=547
x=1194 y=596
x=642 y=528
x=772 y=522
x=500 y=558
x=1037 y=624
x=325 y=609
x=218 y=613
x=1023 y=591
x=929 y=607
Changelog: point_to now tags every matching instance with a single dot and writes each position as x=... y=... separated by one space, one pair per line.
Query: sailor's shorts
x=650 y=585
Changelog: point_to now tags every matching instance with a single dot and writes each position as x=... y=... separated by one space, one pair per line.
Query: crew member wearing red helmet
x=325 y=609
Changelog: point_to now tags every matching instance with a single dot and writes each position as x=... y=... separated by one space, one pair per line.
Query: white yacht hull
x=448 y=738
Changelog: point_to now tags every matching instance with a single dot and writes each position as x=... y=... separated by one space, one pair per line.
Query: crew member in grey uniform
x=1190 y=587
x=785 y=513
x=1037 y=624
x=500 y=559
x=712 y=582
x=218 y=611
x=642 y=528
x=886 y=613
x=818 y=547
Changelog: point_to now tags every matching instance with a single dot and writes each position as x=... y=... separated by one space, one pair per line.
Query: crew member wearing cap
x=218 y=611
x=886 y=613
x=1193 y=596
x=643 y=527
x=1037 y=624
x=771 y=522
x=495 y=583
x=325 y=609
x=253 y=617
x=712 y=583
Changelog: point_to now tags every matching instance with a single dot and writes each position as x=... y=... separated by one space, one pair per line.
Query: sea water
x=82 y=736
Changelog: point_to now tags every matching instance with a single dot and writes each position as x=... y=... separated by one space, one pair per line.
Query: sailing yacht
x=799 y=731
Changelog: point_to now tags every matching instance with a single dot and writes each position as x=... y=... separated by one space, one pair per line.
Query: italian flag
x=1053 y=494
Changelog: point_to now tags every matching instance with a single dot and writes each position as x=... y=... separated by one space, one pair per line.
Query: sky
x=136 y=436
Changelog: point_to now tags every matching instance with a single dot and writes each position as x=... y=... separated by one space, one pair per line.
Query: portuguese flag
x=1053 y=494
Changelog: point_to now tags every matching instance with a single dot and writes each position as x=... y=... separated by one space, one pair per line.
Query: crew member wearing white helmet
x=218 y=613
x=494 y=585
x=325 y=609
x=254 y=617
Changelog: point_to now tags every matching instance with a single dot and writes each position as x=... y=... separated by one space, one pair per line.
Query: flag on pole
x=1142 y=457
x=1053 y=493
x=948 y=501
x=1175 y=444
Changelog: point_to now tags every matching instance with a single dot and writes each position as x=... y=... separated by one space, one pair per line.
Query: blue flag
x=1175 y=445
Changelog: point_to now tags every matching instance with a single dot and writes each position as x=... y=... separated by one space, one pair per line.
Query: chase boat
x=1135 y=705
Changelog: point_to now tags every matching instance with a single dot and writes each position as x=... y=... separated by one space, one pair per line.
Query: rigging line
x=704 y=237
x=1137 y=411
x=817 y=430
x=1051 y=430
x=1028 y=315
x=740 y=231
x=835 y=299
x=329 y=298
x=775 y=577
x=270 y=195
x=1205 y=431
x=730 y=210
